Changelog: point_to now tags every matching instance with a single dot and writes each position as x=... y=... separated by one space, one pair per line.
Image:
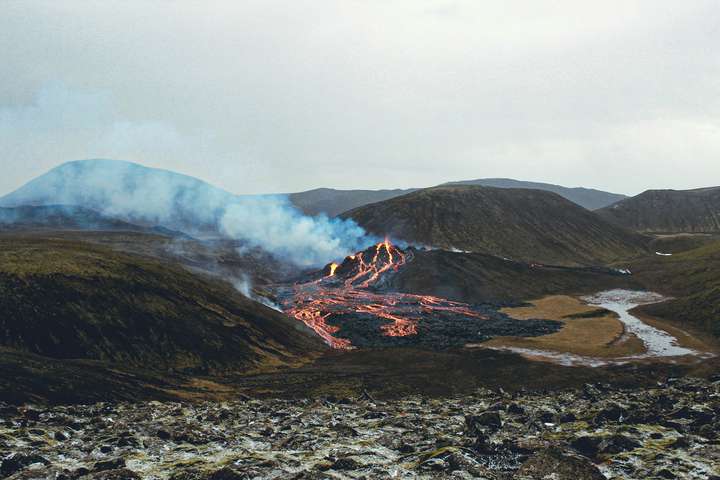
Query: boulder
x=18 y=461
x=477 y=424
x=556 y=464
x=611 y=413
x=617 y=444
x=112 y=464
x=345 y=463
x=226 y=473
x=458 y=461
x=587 y=445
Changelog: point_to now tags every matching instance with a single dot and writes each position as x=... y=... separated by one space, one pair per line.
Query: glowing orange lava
x=350 y=289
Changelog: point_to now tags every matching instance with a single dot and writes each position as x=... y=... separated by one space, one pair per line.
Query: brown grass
x=602 y=336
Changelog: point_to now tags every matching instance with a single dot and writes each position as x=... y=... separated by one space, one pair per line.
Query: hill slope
x=73 y=300
x=482 y=278
x=585 y=197
x=333 y=202
x=693 y=279
x=530 y=225
x=668 y=211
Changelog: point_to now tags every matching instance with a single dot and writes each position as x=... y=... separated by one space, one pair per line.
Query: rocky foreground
x=671 y=430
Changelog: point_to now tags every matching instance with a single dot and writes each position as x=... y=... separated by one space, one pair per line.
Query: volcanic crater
x=351 y=305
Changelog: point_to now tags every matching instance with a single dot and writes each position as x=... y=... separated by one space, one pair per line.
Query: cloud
x=263 y=96
x=62 y=123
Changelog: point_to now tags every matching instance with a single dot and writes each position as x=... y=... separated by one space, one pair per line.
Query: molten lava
x=350 y=292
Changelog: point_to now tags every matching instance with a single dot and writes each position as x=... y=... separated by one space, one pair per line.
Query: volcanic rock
x=617 y=444
x=558 y=465
x=112 y=464
x=17 y=461
x=477 y=424
x=587 y=445
x=345 y=463
x=413 y=436
x=612 y=413
x=226 y=473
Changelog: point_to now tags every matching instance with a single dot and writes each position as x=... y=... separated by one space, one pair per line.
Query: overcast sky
x=279 y=96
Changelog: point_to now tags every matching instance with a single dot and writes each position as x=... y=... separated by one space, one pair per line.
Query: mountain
x=668 y=211
x=127 y=191
x=65 y=300
x=585 y=197
x=333 y=202
x=529 y=225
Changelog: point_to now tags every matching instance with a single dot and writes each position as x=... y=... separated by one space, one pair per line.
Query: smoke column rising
x=158 y=197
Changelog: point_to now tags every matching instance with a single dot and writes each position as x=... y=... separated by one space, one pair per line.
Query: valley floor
x=602 y=329
x=670 y=430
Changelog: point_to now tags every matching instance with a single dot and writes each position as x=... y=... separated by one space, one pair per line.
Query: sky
x=281 y=96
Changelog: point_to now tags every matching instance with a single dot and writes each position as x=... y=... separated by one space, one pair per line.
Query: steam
x=152 y=197
x=244 y=286
x=274 y=224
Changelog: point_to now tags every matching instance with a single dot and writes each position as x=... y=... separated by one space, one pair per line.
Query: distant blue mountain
x=127 y=191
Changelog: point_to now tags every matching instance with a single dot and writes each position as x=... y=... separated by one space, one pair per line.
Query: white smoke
x=274 y=224
x=244 y=286
x=157 y=197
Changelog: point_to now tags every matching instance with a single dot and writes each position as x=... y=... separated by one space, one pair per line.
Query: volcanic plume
x=348 y=305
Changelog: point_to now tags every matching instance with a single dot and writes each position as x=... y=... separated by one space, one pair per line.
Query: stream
x=658 y=343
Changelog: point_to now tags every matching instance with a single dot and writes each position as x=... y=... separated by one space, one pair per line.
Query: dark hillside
x=527 y=225
x=668 y=211
x=73 y=300
x=479 y=278
x=589 y=198
x=693 y=278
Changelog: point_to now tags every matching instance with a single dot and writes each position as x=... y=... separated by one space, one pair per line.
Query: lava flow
x=348 y=297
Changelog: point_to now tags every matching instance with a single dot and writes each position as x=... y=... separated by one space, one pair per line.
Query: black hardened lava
x=350 y=305
x=441 y=330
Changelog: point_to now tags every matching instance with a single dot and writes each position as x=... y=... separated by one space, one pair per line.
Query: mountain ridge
x=589 y=198
x=668 y=211
x=521 y=224
x=334 y=202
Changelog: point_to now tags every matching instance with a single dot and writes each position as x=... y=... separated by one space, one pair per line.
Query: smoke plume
x=138 y=194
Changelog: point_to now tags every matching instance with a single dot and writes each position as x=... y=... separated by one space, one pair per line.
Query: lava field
x=349 y=305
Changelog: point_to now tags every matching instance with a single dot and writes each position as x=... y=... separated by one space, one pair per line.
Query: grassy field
x=586 y=331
